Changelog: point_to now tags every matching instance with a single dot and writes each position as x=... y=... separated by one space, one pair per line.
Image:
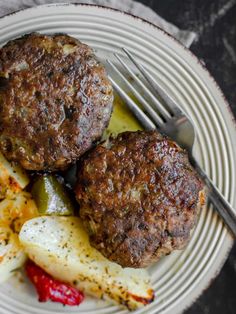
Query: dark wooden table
x=215 y=23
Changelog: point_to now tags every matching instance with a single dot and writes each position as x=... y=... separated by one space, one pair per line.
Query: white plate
x=179 y=278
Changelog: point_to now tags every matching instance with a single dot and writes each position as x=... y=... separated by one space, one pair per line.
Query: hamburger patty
x=139 y=197
x=55 y=100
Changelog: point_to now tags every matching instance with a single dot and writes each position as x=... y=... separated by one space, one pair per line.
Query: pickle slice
x=51 y=198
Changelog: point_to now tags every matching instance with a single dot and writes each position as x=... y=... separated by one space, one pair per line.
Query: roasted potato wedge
x=12 y=178
x=13 y=213
x=61 y=247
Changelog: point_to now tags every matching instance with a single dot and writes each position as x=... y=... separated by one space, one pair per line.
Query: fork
x=166 y=116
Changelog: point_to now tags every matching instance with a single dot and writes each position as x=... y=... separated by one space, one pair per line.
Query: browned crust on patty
x=139 y=197
x=55 y=100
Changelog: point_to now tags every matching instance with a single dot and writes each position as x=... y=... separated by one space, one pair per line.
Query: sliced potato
x=12 y=255
x=12 y=178
x=61 y=247
x=13 y=213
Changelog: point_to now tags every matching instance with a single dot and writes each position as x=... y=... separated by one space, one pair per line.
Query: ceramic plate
x=179 y=278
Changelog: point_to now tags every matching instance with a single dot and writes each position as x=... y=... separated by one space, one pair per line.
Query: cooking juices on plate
x=138 y=196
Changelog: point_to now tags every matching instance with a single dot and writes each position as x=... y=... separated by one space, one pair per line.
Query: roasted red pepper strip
x=52 y=289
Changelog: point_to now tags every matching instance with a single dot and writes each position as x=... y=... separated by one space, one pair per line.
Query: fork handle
x=224 y=209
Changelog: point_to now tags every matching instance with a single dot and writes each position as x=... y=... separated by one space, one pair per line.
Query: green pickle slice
x=51 y=198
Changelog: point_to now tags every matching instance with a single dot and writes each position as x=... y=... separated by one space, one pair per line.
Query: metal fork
x=166 y=116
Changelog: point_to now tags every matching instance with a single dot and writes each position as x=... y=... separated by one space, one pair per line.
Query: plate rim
x=207 y=72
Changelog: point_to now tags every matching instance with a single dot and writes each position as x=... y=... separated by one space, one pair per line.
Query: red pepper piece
x=49 y=288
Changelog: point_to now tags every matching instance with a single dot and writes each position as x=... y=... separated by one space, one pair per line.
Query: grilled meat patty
x=55 y=100
x=139 y=197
